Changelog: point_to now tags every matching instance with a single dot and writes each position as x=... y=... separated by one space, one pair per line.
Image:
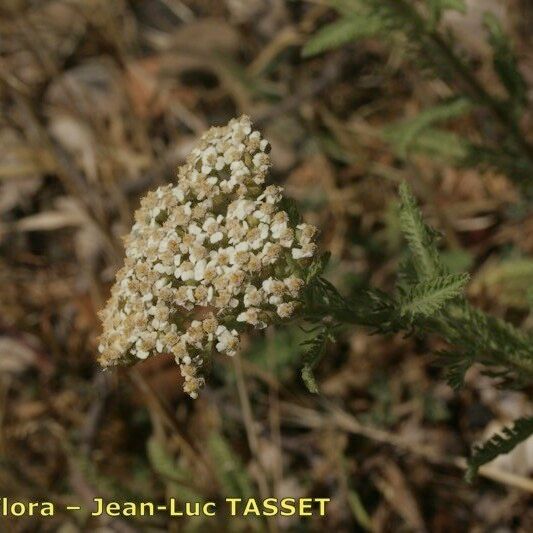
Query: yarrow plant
x=220 y=252
x=207 y=258
x=428 y=297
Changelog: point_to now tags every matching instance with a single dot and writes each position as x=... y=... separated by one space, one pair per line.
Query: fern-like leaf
x=344 y=31
x=429 y=296
x=437 y=143
x=505 y=63
x=404 y=135
x=420 y=237
x=456 y=365
x=499 y=444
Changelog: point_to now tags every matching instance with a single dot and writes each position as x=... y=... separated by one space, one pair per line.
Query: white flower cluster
x=207 y=258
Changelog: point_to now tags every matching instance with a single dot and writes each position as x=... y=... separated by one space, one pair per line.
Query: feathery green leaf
x=499 y=444
x=344 y=31
x=429 y=296
x=444 y=145
x=420 y=237
x=410 y=134
x=456 y=365
x=504 y=60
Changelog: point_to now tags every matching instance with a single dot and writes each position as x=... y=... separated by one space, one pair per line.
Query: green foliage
x=433 y=304
x=505 y=63
x=495 y=341
x=360 y=19
x=457 y=260
x=177 y=478
x=343 y=31
x=275 y=353
x=421 y=238
x=456 y=365
x=417 y=134
x=429 y=296
x=231 y=474
x=316 y=349
x=437 y=143
x=430 y=299
x=358 y=510
x=498 y=444
x=414 y=26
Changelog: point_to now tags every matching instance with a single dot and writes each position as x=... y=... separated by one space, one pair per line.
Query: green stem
x=458 y=325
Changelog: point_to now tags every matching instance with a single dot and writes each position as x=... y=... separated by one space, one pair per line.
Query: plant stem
x=471 y=83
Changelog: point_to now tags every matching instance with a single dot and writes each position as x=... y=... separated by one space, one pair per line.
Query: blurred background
x=100 y=102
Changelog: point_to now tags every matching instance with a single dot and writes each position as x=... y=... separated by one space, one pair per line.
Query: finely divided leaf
x=409 y=134
x=438 y=143
x=505 y=62
x=429 y=296
x=343 y=31
x=456 y=364
x=499 y=444
x=421 y=238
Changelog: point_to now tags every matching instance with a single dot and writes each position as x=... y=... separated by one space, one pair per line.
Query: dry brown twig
x=334 y=416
